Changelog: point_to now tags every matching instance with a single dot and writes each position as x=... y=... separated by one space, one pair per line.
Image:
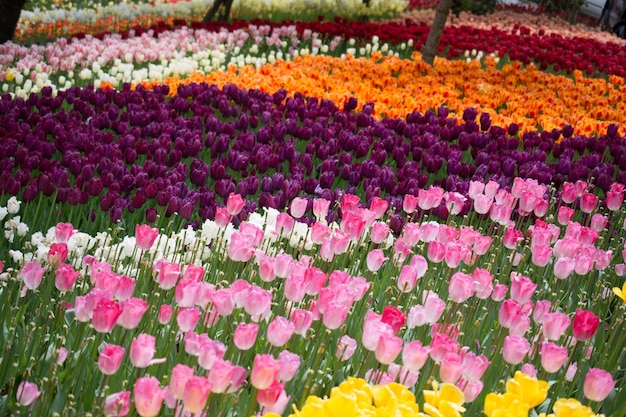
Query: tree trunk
x=10 y=11
x=436 y=30
x=225 y=5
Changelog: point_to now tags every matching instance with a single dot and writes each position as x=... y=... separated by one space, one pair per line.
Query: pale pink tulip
x=63 y=232
x=196 y=393
x=289 y=365
x=187 y=318
x=148 y=396
x=388 y=348
x=279 y=331
x=180 y=375
x=346 y=346
x=451 y=368
x=461 y=287
x=553 y=357
x=265 y=370
x=474 y=366
x=554 y=325
x=379 y=232
x=117 y=404
x=245 y=335
x=598 y=384
x=302 y=320
x=132 y=311
x=110 y=359
x=298 y=207
x=522 y=288
x=142 y=350
x=27 y=393
x=564 y=215
x=515 y=349
x=234 y=204
x=220 y=376
x=375 y=259
x=414 y=355
x=165 y=314
x=32 y=275
x=379 y=206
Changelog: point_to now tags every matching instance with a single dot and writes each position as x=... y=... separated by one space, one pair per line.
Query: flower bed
x=233 y=234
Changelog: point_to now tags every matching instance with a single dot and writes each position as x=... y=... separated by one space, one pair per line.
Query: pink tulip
x=474 y=366
x=599 y=222
x=509 y=312
x=565 y=215
x=345 y=348
x=61 y=356
x=476 y=188
x=132 y=312
x=563 y=267
x=168 y=273
x=455 y=202
x=388 y=348
x=451 y=368
x=414 y=355
x=65 y=277
x=482 y=204
x=461 y=287
x=585 y=324
x=27 y=393
x=379 y=206
x=298 y=207
x=193 y=273
x=319 y=232
x=598 y=384
x=379 y=232
x=522 y=288
x=234 y=204
x=393 y=317
x=142 y=350
x=515 y=349
x=436 y=251
x=541 y=255
x=279 y=331
x=529 y=369
x=223 y=301
x=165 y=314
x=407 y=278
x=334 y=315
x=588 y=202
x=222 y=217
x=541 y=308
x=180 y=375
x=483 y=283
x=302 y=320
x=110 y=359
x=63 y=231
x=554 y=325
x=553 y=357
x=32 y=274
x=187 y=318
x=245 y=335
x=265 y=370
x=499 y=292
x=145 y=236
x=210 y=352
x=105 y=315
x=220 y=376
x=271 y=394
x=614 y=199
x=57 y=253
x=471 y=390
x=289 y=365
x=196 y=393
x=375 y=259
x=482 y=244
x=257 y=302
x=320 y=208
x=409 y=204
x=148 y=396
x=372 y=332
x=440 y=345
x=117 y=404
x=569 y=193
x=84 y=305
x=571 y=372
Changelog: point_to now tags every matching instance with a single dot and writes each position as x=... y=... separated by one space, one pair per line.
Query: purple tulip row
x=188 y=152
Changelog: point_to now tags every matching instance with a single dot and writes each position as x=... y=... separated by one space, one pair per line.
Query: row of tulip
x=138 y=153
x=313 y=305
x=122 y=16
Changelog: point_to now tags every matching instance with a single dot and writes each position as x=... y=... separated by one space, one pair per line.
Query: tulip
x=553 y=357
x=180 y=375
x=265 y=370
x=27 y=393
x=148 y=396
x=110 y=359
x=585 y=324
x=598 y=384
x=117 y=404
x=245 y=335
x=515 y=349
x=145 y=236
x=279 y=331
x=196 y=393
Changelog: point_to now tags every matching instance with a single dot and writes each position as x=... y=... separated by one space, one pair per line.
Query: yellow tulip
x=571 y=407
x=507 y=404
x=445 y=400
x=530 y=390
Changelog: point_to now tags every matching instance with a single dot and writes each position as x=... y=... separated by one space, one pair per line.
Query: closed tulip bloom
x=407 y=278
x=165 y=313
x=588 y=202
x=541 y=255
x=142 y=350
x=522 y=288
x=598 y=384
x=27 y=393
x=63 y=231
x=414 y=355
x=461 y=287
x=105 y=315
x=451 y=368
x=565 y=215
x=379 y=232
x=145 y=236
x=180 y=375
x=265 y=370
x=302 y=319
x=542 y=307
x=148 y=396
x=509 y=311
x=245 y=335
x=515 y=349
x=289 y=365
x=298 y=207
x=345 y=348
x=334 y=315
x=32 y=275
x=196 y=393
x=563 y=267
x=474 y=366
x=132 y=312
x=65 y=277
x=585 y=324
x=220 y=376
x=234 y=204
x=553 y=357
x=388 y=348
x=187 y=318
x=279 y=331
x=554 y=325
x=471 y=390
x=117 y=404
x=110 y=359
x=375 y=259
